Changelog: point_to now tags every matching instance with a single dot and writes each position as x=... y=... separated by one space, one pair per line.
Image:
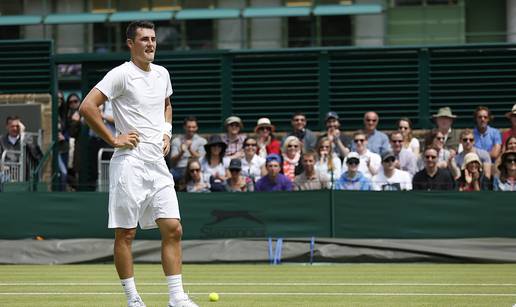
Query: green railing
x=394 y=81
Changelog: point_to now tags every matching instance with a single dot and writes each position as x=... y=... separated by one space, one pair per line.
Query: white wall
x=511 y=21
x=369 y=29
x=230 y=32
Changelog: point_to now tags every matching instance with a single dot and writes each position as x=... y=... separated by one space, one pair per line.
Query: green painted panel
x=75 y=18
x=487 y=21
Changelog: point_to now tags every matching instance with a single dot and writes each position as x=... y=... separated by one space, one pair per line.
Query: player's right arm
x=89 y=109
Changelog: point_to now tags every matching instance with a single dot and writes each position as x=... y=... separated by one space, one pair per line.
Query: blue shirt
x=359 y=182
x=282 y=183
x=377 y=142
x=488 y=140
x=482 y=154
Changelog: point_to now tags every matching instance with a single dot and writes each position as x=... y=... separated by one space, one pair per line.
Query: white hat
x=471 y=157
x=264 y=122
x=444 y=112
x=233 y=119
x=512 y=113
x=353 y=155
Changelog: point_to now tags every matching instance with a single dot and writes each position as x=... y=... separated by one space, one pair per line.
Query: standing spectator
x=291 y=155
x=236 y=182
x=299 y=130
x=310 y=178
x=328 y=162
x=352 y=178
x=184 y=147
x=253 y=166
x=233 y=138
x=486 y=137
x=432 y=177
x=213 y=164
x=467 y=140
x=341 y=142
x=193 y=179
x=63 y=142
x=377 y=141
x=390 y=178
x=73 y=128
x=512 y=131
x=274 y=181
x=506 y=181
x=444 y=121
x=472 y=177
x=405 y=158
x=267 y=143
x=409 y=142
x=370 y=162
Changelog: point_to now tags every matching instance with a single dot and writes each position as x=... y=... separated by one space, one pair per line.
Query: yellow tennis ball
x=213 y=297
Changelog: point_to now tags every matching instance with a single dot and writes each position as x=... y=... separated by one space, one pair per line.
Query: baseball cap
x=235 y=164
x=273 y=158
x=388 y=154
x=332 y=114
x=353 y=155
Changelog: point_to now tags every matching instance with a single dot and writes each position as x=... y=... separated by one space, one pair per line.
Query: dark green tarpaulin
x=397 y=215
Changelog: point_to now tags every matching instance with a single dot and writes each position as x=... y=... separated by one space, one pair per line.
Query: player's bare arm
x=91 y=112
x=168 y=119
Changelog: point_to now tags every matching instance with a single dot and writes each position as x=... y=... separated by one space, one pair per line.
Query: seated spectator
x=328 y=162
x=377 y=141
x=299 y=130
x=184 y=147
x=511 y=131
x=310 y=178
x=472 y=177
x=467 y=140
x=193 y=178
x=236 y=182
x=486 y=137
x=506 y=181
x=390 y=178
x=267 y=143
x=405 y=158
x=444 y=121
x=352 y=178
x=341 y=143
x=253 y=166
x=291 y=155
x=233 y=138
x=274 y=181
x=510 y=144
x=213 y=164
x=435 y=139
x=369 y=162
x=409 y=142
x=432 y=178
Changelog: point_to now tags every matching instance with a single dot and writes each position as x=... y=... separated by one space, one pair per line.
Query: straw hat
x=512 y=113
x=264 y=122
x=233 y=119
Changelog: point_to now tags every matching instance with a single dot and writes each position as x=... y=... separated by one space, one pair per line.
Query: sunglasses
x=389 y=160
x=430 y=157
x=397 y=141
x=359 y=140
x=264 y=129
x=292 y=146
x=250 y=145
x=369 y=120
x=403 y=128
x=193 y=170
x=465 y=140
x=440 y=138
x=510 y=160
x=234 y=170
x=353 y=161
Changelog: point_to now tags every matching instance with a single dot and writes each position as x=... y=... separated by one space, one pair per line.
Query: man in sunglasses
x=390 y=178
x=432 y=177
x=467 y=138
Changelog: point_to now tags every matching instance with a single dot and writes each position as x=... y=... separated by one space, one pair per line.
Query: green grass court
x=297 y=285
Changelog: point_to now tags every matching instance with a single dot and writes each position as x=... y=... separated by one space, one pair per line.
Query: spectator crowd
x=445 y=158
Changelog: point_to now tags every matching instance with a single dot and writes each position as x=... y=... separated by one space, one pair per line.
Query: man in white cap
x=233 y=138
x=444 y=121
x=511 y=132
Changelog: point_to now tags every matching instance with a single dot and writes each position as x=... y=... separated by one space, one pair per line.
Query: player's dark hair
x=130 y=32
x=10 y=118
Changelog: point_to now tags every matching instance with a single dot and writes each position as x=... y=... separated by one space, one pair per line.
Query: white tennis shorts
x=140 y=192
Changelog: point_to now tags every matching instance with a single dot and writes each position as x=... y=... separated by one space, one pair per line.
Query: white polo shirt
x=138 y=99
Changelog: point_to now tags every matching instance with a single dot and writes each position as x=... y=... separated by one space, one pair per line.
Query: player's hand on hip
x=166 y=144
x=129 y=140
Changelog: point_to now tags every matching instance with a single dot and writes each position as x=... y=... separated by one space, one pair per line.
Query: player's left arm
x=167 y=134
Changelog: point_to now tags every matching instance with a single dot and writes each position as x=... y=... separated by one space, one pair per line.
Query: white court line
x=287 y=284
x=273 y=294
